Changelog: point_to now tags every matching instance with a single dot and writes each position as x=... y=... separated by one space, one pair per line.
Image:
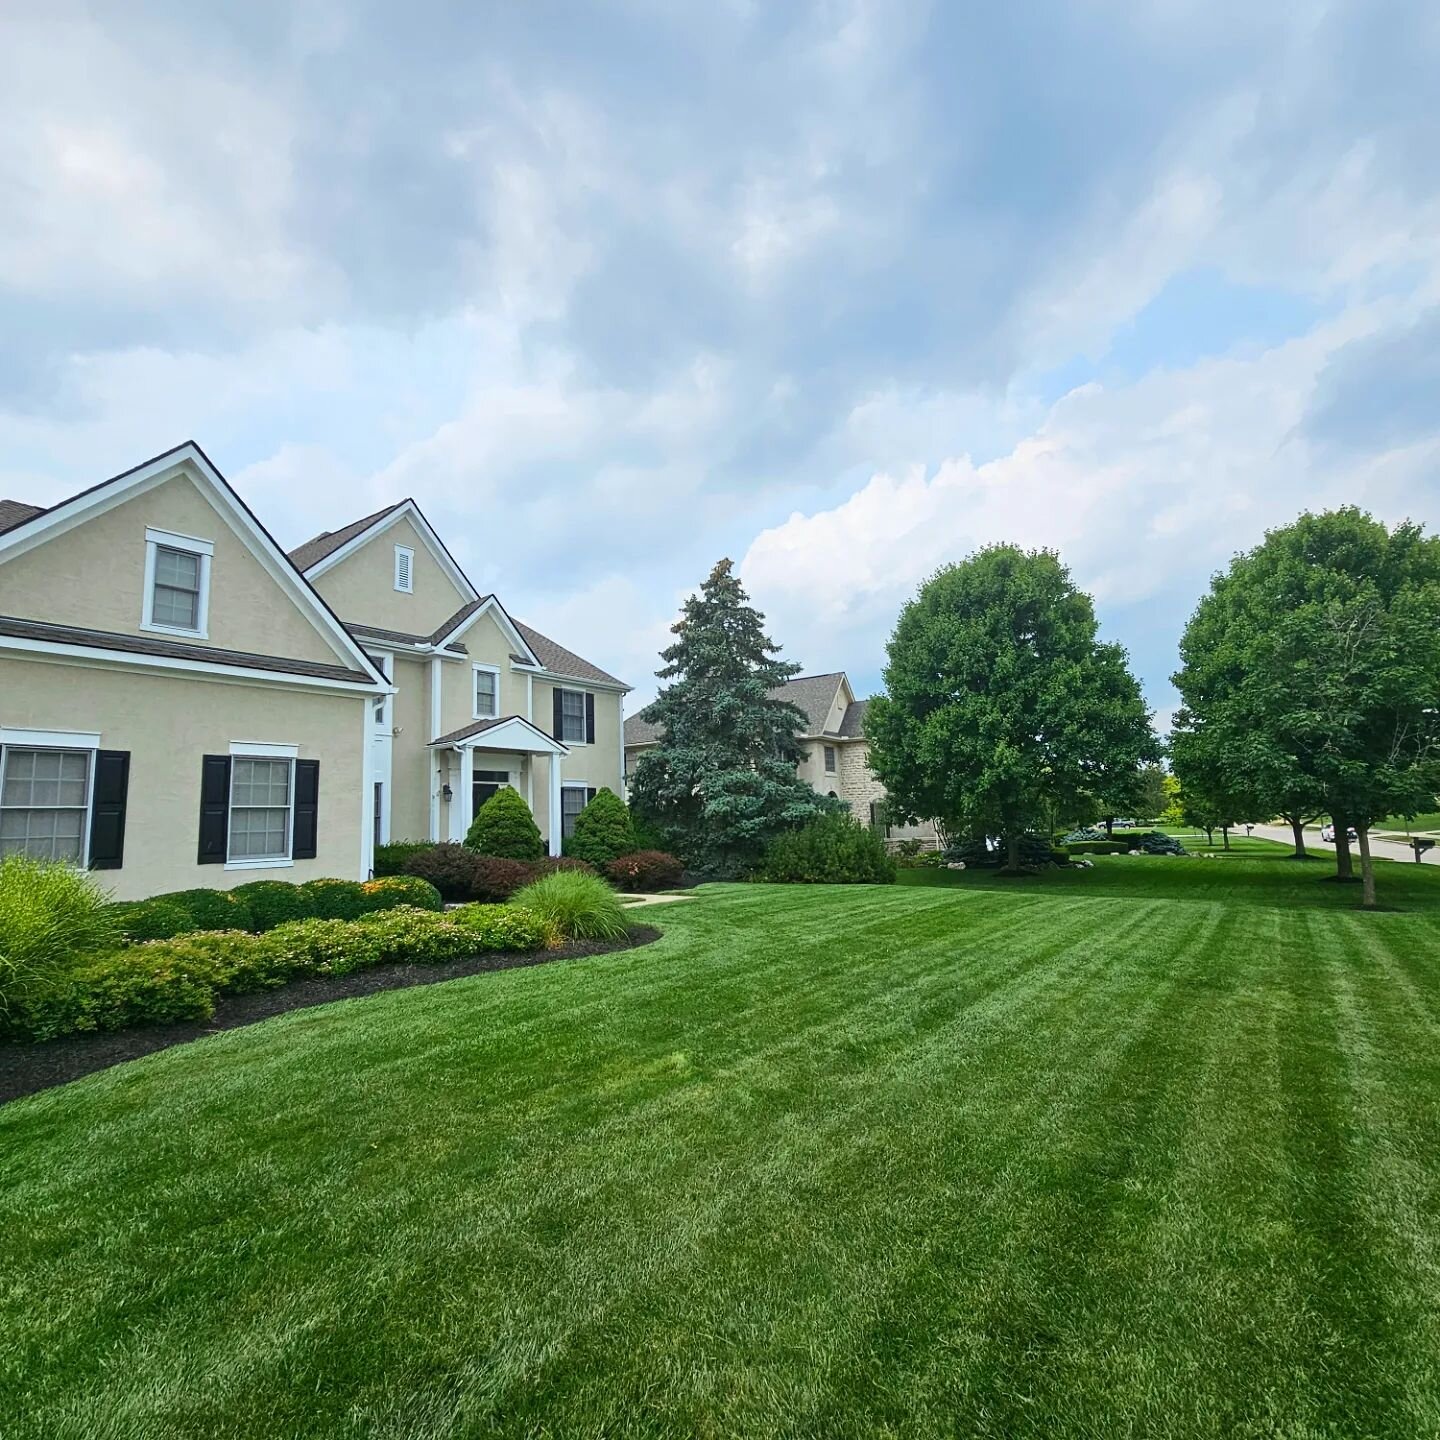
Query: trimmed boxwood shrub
x=333 y=899
x=156 y=919
x=645 y=870
x=603 y=830
x=389 y=891
x=272 y=902
x=390 y=857
x=504 y=827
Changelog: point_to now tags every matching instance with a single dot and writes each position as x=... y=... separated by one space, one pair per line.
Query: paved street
x=1381 y=849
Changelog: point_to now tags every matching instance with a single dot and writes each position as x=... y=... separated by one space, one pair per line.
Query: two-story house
x=836 y=759
x=182 y=703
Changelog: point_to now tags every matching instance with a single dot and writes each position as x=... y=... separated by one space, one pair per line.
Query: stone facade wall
x=859 y=789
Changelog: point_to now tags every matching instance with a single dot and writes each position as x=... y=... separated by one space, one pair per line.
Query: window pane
x=178 y=568
x=572 y=715
x=572 y=802
x=485 y=698
x=180 y=608
x=259 y=809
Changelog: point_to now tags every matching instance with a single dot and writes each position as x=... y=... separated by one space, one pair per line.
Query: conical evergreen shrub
x=505 y=827
x=603 y=830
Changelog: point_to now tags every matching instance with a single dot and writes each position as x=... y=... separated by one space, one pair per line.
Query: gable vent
x=404 y=570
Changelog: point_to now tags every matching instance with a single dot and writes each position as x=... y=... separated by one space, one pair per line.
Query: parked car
x=1327 y=832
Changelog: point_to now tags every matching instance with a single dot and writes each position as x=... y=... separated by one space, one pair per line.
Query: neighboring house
x=837 y=757
x=182 y=703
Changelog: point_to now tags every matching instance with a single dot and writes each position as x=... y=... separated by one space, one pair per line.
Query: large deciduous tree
x=722 y=780
x=1001 y=703
x=1312 y=670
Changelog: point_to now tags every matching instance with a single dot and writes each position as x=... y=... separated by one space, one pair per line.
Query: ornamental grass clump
x=51 y=914
x=577 y=905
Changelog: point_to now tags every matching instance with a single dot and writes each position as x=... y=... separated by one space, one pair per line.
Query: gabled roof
x=814 y=694
x=39 y=525
x=329 y=541
x=317 y=556
x=852 y=727
x=12 y=512
x=557 y=659
x=505 y=732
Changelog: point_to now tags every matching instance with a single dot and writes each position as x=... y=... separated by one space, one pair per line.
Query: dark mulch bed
x=26 y=1068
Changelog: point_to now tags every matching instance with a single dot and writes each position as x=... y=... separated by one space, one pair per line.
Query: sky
x=841 y=290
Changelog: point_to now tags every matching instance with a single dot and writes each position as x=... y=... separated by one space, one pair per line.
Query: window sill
x=259 y=864
x=153 y=629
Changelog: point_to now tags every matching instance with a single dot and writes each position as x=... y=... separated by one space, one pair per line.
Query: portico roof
x=513 y=733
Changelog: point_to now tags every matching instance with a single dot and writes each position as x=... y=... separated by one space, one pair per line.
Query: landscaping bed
x=27 y=1067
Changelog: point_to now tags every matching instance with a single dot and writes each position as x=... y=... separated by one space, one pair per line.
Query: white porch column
x=464 y=796
x=435 y=781
x=556 y=825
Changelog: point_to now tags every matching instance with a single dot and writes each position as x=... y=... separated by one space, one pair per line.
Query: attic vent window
x=404 y=570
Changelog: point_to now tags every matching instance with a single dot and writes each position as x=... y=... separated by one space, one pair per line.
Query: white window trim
x=409 y=553
x=205 y=550
x=474 y=696
x=87 y=740
x=263 y=750
x=572 y=690
x=382 y=719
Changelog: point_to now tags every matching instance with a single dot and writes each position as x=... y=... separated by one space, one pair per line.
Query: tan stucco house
x=836 y=759
x=183 y=703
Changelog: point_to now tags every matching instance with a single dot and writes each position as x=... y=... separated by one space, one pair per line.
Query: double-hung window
x=573 y=799
x=572 y=716
x=45 y=802
x=177 y=584
x=262 y=794
x=487 y=692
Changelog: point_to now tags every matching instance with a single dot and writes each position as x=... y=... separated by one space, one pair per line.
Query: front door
x=485 y=784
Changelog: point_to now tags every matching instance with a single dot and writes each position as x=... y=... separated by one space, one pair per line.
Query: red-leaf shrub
x=645 y=870
x=496 y=878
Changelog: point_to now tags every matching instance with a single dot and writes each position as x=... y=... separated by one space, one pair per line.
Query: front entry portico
x=469 y=760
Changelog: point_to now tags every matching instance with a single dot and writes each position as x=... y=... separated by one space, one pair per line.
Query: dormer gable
x=389 y=569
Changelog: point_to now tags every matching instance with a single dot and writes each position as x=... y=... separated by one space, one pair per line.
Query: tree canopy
x=1311 y=673
x=1002 y=704
x=722 y=781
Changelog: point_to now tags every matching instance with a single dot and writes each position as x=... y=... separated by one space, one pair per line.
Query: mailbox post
x=1420 y=846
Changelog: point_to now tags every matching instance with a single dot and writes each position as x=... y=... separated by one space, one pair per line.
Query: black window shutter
x=590 y=794
x=307 y=810
x=214 y=809
x=558 y=728
x=589 y=718
x=107 y=818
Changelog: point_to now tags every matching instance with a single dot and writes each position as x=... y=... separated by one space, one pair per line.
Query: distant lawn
x=1148 y=1150
x=1240 y=843
x=1430 y=821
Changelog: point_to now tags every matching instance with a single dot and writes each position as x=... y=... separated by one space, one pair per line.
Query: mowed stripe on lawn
x=821 y=1162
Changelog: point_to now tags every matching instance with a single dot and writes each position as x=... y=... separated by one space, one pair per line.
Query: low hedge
x=832 y=850
x=263 y=904
x=390 y=857
x=645 y=870
x=162 y=981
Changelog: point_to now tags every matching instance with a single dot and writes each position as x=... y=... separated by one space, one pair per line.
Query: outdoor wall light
x=447 y=792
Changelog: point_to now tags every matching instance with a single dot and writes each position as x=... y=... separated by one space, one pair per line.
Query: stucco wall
x=167 y=723
x=361 y=588
x=94 y=576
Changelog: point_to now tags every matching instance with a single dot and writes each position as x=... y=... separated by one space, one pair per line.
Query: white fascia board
x=493 y=607
x=96 y=657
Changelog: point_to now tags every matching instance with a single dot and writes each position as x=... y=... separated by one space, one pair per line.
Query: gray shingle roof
x=329 y=541
x=403 y=637
x=812 y=693
x=174 y=649
x=13 y=512
x=852 y=727
x=562 y=661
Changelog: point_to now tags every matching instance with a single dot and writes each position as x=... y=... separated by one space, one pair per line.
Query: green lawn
x=1415 y=823
x=1145 y=1151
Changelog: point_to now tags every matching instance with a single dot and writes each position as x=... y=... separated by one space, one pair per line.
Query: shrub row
x=264 y=904
x=830 y=850
x=459 y=874
x=1097 y=847
x=179 y=979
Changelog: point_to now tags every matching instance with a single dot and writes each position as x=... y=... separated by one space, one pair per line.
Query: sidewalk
x=1381 y=849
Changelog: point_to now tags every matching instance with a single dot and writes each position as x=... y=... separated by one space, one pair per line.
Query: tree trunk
x=1210 y=836
x=1109 y=827
x=1297 y=828
x=1344 y=869
x=1367 y=868
x=1225 y=835
x=1012 y=853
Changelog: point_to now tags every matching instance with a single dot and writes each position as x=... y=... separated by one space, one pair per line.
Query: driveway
x=1380 y=849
